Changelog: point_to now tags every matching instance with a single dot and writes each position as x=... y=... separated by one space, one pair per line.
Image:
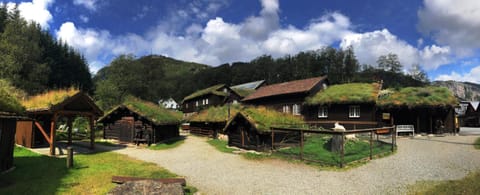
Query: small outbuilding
x=44 y=111
x=250 y=127
x=10 y=109
x=211 y=121
x=472 y=114
x=138 y=120
x=429 y=109
x=353 y=105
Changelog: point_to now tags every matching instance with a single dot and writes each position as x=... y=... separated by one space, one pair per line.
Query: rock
x=147 y=187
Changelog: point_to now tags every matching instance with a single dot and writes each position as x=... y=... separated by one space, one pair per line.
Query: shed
x=45 y=109
x=353 y=105
x=138 y=120
x=472 y=114
x=211 y=121
x=429 y=109
x=10 y=109
x=250 y=127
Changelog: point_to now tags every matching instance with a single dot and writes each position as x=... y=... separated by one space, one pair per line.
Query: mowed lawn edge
x=91 y=174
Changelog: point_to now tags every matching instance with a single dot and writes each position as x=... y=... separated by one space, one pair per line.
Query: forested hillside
x=156 y=77
x=32 y=60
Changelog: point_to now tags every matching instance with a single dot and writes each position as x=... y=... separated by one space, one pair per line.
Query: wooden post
x=69 y=126
x=301 y=145
x=273 y=138
x=69 y=157
x=52 y=134
x=394 y=138
x=342 y=151
x=92 y=133
x=431 y=125
x=371 y=144
x=243 y=139
x=418 y=123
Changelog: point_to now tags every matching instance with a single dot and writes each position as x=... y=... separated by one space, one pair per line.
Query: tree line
x=34 y=61
x=157 y=77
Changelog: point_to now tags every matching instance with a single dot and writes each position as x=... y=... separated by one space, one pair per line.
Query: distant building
x=216 y=95
x=169 y=103
x=472 y=114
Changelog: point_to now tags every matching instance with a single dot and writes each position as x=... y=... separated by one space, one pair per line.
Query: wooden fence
x=389 y=131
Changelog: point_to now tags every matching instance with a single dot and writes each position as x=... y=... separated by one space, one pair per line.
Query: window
x=354 y=112
x=286 y=109
x=296 y=109
x=322 y=112
x=206 y=101
x=186 y=105
x=196 y=103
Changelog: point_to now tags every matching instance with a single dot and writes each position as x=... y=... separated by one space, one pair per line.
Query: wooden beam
x=52 y=134
x=92 y=133
x=42 y=131
x=69 y=126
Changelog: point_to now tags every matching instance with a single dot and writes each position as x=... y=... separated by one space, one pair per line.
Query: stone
x=148 y=187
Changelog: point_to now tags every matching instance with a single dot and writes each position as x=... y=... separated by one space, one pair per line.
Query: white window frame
x=296 y=109
x=206 y=101
x=322 y=112
x=196 y=103
x=354 y=111
x=286 y=109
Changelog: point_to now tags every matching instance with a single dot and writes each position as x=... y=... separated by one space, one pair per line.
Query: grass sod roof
x=214 y=114
x=213 y=90
x=8 y=101
x=48 y=99
x=152 y=112
x=417 y=97
x=346 y=93
x=263 y=118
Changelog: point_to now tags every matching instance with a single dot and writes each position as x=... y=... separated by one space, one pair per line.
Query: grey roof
x=249 y=85
x=474 y=105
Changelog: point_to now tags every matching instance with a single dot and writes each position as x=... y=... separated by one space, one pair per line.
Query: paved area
x=213 y=172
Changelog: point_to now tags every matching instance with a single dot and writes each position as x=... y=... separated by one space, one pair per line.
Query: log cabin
x=45 y=110
x=216 y=95
x=353 y=105
x=287 y=97
x=10 y=111
x=136 y=120
x=211 y=121
x=250 y=127
x=472 y=114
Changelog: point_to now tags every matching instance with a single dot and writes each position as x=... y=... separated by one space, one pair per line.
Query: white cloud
x=472 y=76
x=453 y=23
x=89 y=4
x=36 y=11
x=369 y=46
x=84 y=18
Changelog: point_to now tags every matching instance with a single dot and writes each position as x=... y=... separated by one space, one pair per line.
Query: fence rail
x=308 y=132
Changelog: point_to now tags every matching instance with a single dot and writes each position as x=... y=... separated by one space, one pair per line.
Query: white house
x=170 y=103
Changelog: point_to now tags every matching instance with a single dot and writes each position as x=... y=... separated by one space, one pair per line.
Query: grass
x=9 y=98
x=468 y=185
x=418 y=96
x=220 y=145
x=316 y=148
x=48 y=99
x=167 y=144
x=346 y=93
x=476 y=144
x=38 y=174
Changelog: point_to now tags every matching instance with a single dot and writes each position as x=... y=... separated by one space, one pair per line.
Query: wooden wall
x=213 y=100
x=7 y=142
x=124 y=130
x=25 y=134
x=340 y=113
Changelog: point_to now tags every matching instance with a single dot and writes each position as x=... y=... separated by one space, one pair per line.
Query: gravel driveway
x=214 y=172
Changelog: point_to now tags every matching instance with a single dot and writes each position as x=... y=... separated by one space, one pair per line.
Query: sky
x=442 y=36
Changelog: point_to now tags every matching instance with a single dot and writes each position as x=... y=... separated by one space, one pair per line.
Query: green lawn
x=316 y=149
x=466 y=186
x=220 y=145
x=38 y=174
x=167 y=144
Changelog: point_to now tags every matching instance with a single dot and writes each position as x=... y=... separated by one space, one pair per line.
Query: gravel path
x=213 y=172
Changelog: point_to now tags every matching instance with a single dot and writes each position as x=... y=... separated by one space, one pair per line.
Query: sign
x=386 y=116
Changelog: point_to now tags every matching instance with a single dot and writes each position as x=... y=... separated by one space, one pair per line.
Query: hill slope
x=462 y=90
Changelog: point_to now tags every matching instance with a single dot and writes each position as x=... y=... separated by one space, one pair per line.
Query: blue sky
x=442 y=36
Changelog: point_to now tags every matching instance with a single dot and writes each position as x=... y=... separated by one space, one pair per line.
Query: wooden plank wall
x=7 y=143
x=24 y=135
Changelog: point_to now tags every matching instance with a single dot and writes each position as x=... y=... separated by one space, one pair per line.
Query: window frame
x=296 y=109
x=286 y=108
x=354 y=111
x=323 y=114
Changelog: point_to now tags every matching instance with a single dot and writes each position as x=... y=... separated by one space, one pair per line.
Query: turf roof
x=152 y=112
x=8 y=101
x=214 y=114
x=346 y=94
x=263 y=118
x=211 y=90
x=417 y=97
x=51 y=98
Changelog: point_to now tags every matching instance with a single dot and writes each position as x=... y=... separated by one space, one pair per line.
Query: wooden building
x=45 y=109
x=137 y=120
x=245 y=89
x=211 y=121
x=352 y=105
x=287 y=97
x=10 y=109
x=249 y=128
x=429 y=109
x=216 y=95
x=471 y=117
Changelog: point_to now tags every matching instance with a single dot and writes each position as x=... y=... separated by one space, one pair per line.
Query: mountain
x=462 y=90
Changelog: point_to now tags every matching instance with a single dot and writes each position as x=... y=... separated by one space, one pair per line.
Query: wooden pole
x=69 y=157
x=92 y=133
x=273 y=138
x=69 y=126
x=371 y=144
x=342 y=151
x=301 y=145
x=52 y=134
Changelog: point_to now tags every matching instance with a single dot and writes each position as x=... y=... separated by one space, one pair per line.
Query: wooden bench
x=405 y=128
x=123 y=179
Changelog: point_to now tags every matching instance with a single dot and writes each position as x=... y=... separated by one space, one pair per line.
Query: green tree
x=351 y=64
x=417 y=73
x=390 y=63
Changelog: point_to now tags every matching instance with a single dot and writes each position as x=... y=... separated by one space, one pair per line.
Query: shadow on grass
x=169 y=143
x=34 y=174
